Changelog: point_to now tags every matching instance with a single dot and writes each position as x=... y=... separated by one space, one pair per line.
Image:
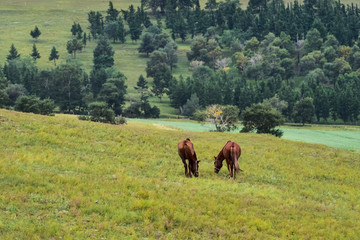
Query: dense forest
x=302 y=59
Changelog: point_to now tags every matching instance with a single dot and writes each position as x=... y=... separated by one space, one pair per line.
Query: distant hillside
x=65 y=178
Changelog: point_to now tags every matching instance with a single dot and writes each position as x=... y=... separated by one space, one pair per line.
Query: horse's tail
x=234 y=158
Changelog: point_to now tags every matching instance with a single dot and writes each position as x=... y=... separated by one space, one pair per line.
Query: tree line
x=294 y=54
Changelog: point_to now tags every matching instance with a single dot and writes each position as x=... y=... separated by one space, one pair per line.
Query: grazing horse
x=186 y=151
x=231 y=152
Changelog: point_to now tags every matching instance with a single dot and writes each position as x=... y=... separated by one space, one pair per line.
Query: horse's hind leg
x=229 y=169
x=234 y=170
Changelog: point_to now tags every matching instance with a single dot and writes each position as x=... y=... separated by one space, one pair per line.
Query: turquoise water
x=338 y=139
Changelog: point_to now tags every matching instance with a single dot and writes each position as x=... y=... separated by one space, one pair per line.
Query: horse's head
x=217 y=165
x=195 y=168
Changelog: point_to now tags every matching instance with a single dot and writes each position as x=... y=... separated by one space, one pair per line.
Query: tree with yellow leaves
x=224 y=117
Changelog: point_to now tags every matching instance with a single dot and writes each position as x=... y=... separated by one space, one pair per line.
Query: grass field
x=61 y=178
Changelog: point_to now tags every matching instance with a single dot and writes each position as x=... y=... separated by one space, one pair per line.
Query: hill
x=65 y=178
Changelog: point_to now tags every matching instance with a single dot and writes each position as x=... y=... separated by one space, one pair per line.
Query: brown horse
x=186 y=151
x=231 y=152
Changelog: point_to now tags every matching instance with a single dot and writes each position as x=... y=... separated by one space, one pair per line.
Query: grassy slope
x=60 y=177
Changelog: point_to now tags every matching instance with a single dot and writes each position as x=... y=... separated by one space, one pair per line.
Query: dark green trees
x=103 y=54
x=73 y=46
x=114 y=28
x=35 y=33
x=13 y=53
x=113 y=92
x=262 y=118
x=54 y=55
x=304 y=110
x=35 y=53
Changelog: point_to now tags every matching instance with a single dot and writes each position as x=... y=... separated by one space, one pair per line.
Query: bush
x=4 y=98
x=100 y=112
x=84 y=118
x=120 y=120
x=133 y=111
x=262 y=118
x=34 y=104
x=200 y=115
x=142 y=110
x=14 y=91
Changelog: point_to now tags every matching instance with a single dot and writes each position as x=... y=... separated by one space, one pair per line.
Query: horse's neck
x=220 y=156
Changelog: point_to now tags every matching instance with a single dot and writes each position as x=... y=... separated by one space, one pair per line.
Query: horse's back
x=186 y=149
x=228 y=149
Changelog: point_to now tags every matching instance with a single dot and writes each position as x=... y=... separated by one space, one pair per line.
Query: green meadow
x=61 y=178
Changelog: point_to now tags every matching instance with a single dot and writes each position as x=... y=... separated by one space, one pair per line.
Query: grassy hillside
x=64 y=178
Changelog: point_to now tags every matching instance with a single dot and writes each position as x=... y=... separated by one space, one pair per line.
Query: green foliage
x=35 y=33
x=100 y=112
x=35 y=53
x=304 y=110
x=14 y=91
x=263 y=118
x=191 y=105
x=103 y=54
x=113 y=93
x=33 y=104
x=54 y=55
x=147 y=44
x=69 y=80
x=13 y=53
x=73 y=46
x=4 y=98
x=114 y=29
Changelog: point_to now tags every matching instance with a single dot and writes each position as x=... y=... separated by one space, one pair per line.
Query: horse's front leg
x=185 y=166
x=189 y=169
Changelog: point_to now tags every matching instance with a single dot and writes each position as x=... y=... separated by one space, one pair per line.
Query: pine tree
x=103 y=54
x=54 y=55
x=35 y=33
x=74 y=29
x=35 y=53
x=112 y=13
x=84 y=39
x=13 y=53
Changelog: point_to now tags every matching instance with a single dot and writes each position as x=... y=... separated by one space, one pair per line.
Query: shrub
x=262 y=118
x=200 y=115
x=120 y=120
x=34 y=104
x=4 y=98
x=100 y=112
x=84 y=118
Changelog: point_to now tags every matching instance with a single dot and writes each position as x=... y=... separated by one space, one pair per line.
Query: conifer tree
x=35 y=33
x=112 y=13
x=84 y=39
x=13 y=53
x=54 y=55
x=103 y=54
x=35 y=53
